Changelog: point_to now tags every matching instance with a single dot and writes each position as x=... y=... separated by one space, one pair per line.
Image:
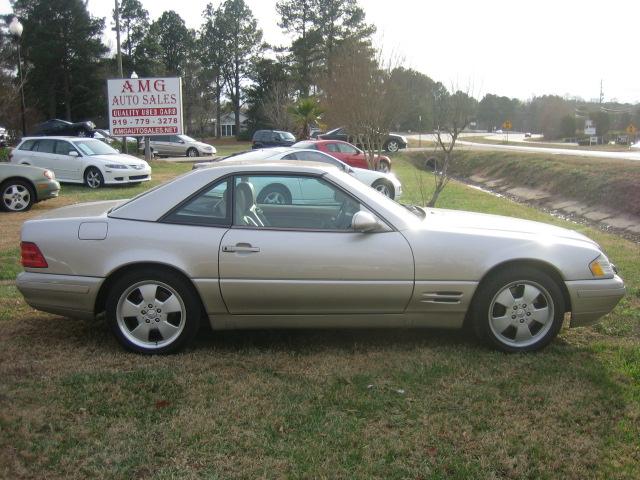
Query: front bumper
x=66 y=295
x=126 y=175
x=592 y=299
x=47 y=189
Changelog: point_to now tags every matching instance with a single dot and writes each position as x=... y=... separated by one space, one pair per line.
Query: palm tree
x=306 y=112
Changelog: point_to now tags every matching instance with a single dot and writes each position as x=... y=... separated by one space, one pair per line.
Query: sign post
x=631 y=130
x=507 y=126
x=145 y=107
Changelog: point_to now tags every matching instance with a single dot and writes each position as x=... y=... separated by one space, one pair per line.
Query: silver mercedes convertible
x=340 y=254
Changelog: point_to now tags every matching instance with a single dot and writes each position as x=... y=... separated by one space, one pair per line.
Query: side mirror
x=364 y=222
x=73 y=153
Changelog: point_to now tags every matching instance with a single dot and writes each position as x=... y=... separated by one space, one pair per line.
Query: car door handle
x=240 y=248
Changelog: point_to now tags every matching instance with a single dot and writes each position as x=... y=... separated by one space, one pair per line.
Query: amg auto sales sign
x=145 y=106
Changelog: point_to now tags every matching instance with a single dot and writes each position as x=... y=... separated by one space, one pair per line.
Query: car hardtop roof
x=57 y=137
x=302 y=166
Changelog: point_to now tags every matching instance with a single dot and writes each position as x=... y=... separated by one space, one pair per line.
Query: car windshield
x=311 y=145
x=335 y=130
x=287 y=136
x=186 y=138
x=95 y=147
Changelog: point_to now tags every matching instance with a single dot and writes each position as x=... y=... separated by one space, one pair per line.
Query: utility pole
x=601 y=93
x=116 y=13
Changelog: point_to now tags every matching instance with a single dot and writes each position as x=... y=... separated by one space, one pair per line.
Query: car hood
x=443 y=219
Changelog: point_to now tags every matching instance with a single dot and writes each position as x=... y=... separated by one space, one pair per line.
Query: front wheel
x=384 y=187
x=192 y=152
x=17 y=196
x=384 y=167
x=93 y=178
x=518 y=310
x=153 y=312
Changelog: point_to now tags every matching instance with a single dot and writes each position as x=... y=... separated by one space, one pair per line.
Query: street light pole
x=15 y=28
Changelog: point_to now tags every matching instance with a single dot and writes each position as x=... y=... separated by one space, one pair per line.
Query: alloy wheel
x=521 y=313
x=16 y=198
x=151 y=314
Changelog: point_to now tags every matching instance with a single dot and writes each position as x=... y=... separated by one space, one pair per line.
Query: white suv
x=81 y=160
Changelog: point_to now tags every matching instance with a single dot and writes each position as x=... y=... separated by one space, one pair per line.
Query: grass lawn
x=318 y=404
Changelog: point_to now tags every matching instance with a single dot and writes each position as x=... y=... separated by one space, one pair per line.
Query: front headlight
x=116 y=166
x=601 y=267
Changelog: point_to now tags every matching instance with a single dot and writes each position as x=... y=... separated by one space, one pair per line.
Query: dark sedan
x=57 y=127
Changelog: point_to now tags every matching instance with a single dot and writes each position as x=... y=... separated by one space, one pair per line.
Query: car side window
x=63 y=148
x=292 y=202
x=174 y=139
x=210 y=206
x=344 y=148
x=333 y=147
x=45 y=146
x=27 y=145
x=317 y=157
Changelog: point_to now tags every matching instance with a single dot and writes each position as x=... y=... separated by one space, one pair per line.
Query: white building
x=228 y=124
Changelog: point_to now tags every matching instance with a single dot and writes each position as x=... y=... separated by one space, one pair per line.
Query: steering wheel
x=341 y=217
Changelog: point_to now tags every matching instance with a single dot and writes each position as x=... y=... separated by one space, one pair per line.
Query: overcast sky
x=513 y=48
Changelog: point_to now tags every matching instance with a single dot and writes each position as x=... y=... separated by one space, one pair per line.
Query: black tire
x=488 y=309
x=193 y=152
x=392 y=146
x=275 y=194
x=16 y=196
x=93 y=178
x=385 y=187
x=125 y=290
x=384 y=166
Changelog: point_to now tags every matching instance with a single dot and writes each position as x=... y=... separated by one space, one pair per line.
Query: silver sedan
x=339 y=255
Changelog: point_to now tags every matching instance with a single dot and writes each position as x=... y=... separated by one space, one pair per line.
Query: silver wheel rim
x=151 y=314
x=392 y=146
x=383 y=189
x=521 y=313
x=192 y=153
x=16 y=197
x=275 y=198
x=93 y=178
x=384 y=167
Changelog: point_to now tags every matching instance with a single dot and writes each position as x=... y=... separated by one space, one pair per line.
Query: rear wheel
x=518 y=309
x=153 y=311
x=384 y=187
x=392 y=146
x=275 y=194
x=17 y=196
x=93 y=178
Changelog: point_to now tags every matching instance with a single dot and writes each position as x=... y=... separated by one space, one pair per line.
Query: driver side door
x=305 y=258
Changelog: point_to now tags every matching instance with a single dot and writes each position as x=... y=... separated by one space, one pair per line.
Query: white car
x=385 y=183
x=81 y=160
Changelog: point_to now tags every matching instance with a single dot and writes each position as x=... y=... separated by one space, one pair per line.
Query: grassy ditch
x=321 y=404
x=611 y=183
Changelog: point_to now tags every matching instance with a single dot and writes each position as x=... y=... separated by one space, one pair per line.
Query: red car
x=346 y=152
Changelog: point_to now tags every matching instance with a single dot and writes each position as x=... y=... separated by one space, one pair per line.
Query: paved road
x=633 y=154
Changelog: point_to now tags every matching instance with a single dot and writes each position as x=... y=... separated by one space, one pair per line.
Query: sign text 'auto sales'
x=145 y=106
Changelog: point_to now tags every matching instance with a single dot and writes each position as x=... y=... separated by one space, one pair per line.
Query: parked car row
x=285 y=193
x=278 y=138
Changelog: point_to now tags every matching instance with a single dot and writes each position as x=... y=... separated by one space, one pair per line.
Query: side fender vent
x=442 y=297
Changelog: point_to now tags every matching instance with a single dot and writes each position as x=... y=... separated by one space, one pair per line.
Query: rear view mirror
x=364 y=222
